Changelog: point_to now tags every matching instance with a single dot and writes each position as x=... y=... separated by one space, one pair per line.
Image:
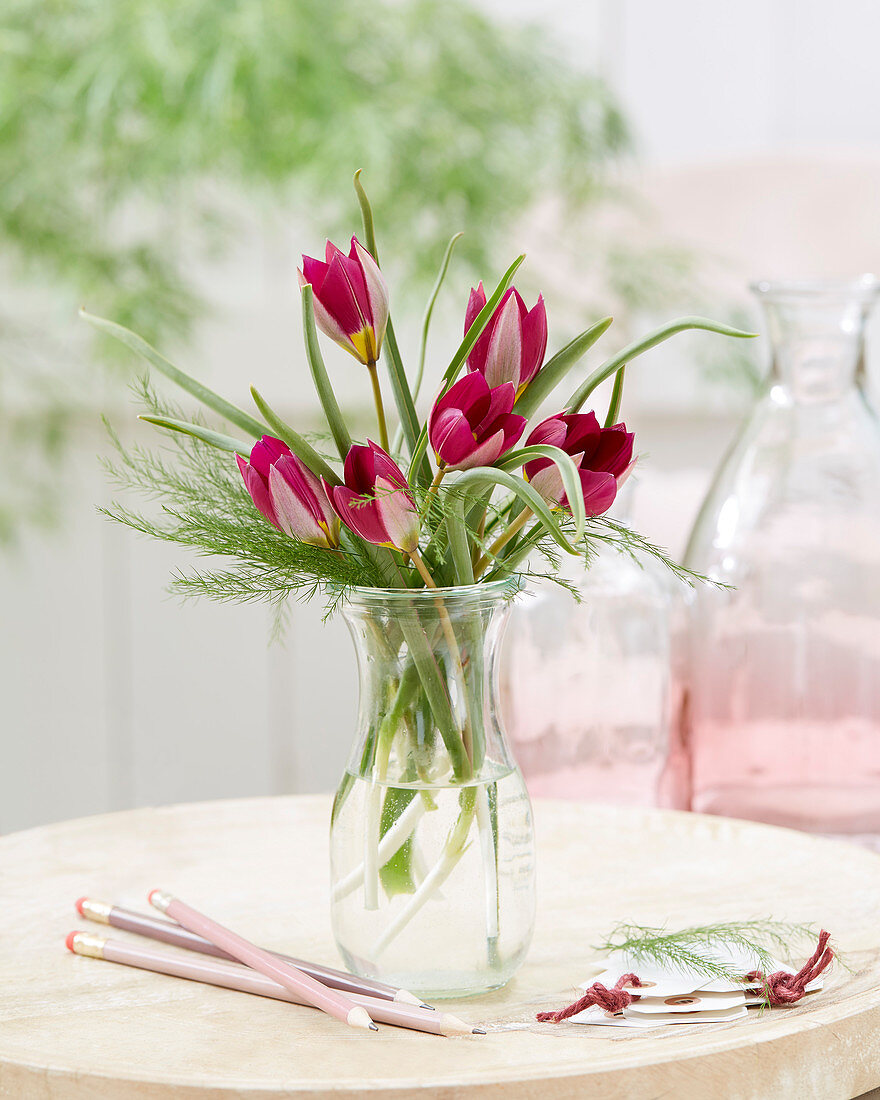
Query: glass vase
x=782 y=713
x=431 y=841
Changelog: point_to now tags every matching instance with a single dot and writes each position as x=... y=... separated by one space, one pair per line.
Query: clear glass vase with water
x=432 y=846
x=782 y=714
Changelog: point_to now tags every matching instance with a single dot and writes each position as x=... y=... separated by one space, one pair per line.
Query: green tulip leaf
x=300 y=447
x=319 y=376
x=616 y=396
x=568 y=471
x=645 y=344
x=207 y=397
x=206 y=435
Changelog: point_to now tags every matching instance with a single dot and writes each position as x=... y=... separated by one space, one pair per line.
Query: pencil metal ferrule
x=84 y=943
x=98 y=911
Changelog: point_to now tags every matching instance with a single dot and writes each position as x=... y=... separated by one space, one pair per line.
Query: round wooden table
x=81 y=1029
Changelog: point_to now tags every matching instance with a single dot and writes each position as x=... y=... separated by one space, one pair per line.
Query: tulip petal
x=600 y=489
x=614 y=450
x=551 y=431
x=398 y=515
x=265 y=452
x=504 y=354
x=377 y=290
x=259 y=491
x=477 y=358
x=452 y=437
x=485 y=453
x=359 y=514
x=339 y=298
x=534 y=341
x=547 y=481
x=295 y=517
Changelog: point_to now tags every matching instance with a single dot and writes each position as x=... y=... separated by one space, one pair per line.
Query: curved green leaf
x=403 y=398
x=571 y=481
x=491 y=476
x=429 y=309
x=555 y=369
x=645 y=344
x=207 y=397
x=216 y=439
x=367 y=215
x=319 y=376
x=616 y=395
x=300 y=447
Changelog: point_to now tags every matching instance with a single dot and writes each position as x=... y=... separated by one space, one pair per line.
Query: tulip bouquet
x=453 y=503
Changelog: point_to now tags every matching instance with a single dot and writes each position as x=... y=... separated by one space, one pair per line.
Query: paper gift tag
x=689 y=1002
x=597 y=1015
x=709 y=1016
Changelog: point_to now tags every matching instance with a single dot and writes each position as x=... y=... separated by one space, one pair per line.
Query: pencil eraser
x=69 y=941
x=79 y=905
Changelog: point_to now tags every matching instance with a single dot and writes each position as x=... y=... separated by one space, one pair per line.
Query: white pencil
x=314 y=993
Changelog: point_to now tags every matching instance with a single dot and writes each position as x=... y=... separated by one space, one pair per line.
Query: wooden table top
x=81 y=1029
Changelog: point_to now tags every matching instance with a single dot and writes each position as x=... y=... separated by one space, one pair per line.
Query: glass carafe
x=431 y=842
x=782 y=711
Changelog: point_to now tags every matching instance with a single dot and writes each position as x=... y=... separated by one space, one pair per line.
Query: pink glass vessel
x=586 y=686
x=782 y=708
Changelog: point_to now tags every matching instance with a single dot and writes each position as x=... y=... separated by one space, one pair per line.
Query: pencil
x=170 y=932
x=336 y=1004
x=231 y=975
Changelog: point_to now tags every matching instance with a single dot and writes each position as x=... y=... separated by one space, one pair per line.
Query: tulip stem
x=503 y=539
x=419 y=563
x=380 y=408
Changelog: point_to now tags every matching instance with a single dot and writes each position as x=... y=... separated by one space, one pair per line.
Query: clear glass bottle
x=431 y=843
x=782 y=711
x=587 y=683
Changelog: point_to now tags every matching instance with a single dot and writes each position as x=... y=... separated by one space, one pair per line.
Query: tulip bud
x=288 y=494
x=350 y=299
x=472 y=425
x=512 y=345
x=603 y=457
x=376 y=501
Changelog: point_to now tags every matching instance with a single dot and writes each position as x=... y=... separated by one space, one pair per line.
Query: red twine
x=784 y=989
x=780 y=988
x=612 y=1000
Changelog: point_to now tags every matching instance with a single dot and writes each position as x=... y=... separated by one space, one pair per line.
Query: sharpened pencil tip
x=430 y=1008
x=478 y=1031
x=373 y=1027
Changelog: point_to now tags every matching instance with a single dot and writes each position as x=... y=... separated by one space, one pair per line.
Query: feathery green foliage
x=695 y=948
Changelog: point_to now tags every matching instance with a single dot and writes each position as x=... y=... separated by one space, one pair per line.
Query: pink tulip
x=288 y=494
x=376 y=502
x=472 y=425
x=350 y=298
x=511 y=347
x=603 y=457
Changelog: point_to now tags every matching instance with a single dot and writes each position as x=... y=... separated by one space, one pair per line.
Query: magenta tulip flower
x=472 y=425
x=603 y=457
x=288 y=494
x=376 y=502
x=511 y=347
x=350 y=298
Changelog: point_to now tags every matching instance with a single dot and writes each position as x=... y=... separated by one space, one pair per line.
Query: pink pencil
x=230 y=975
x=319 y=996
x=170 y=932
